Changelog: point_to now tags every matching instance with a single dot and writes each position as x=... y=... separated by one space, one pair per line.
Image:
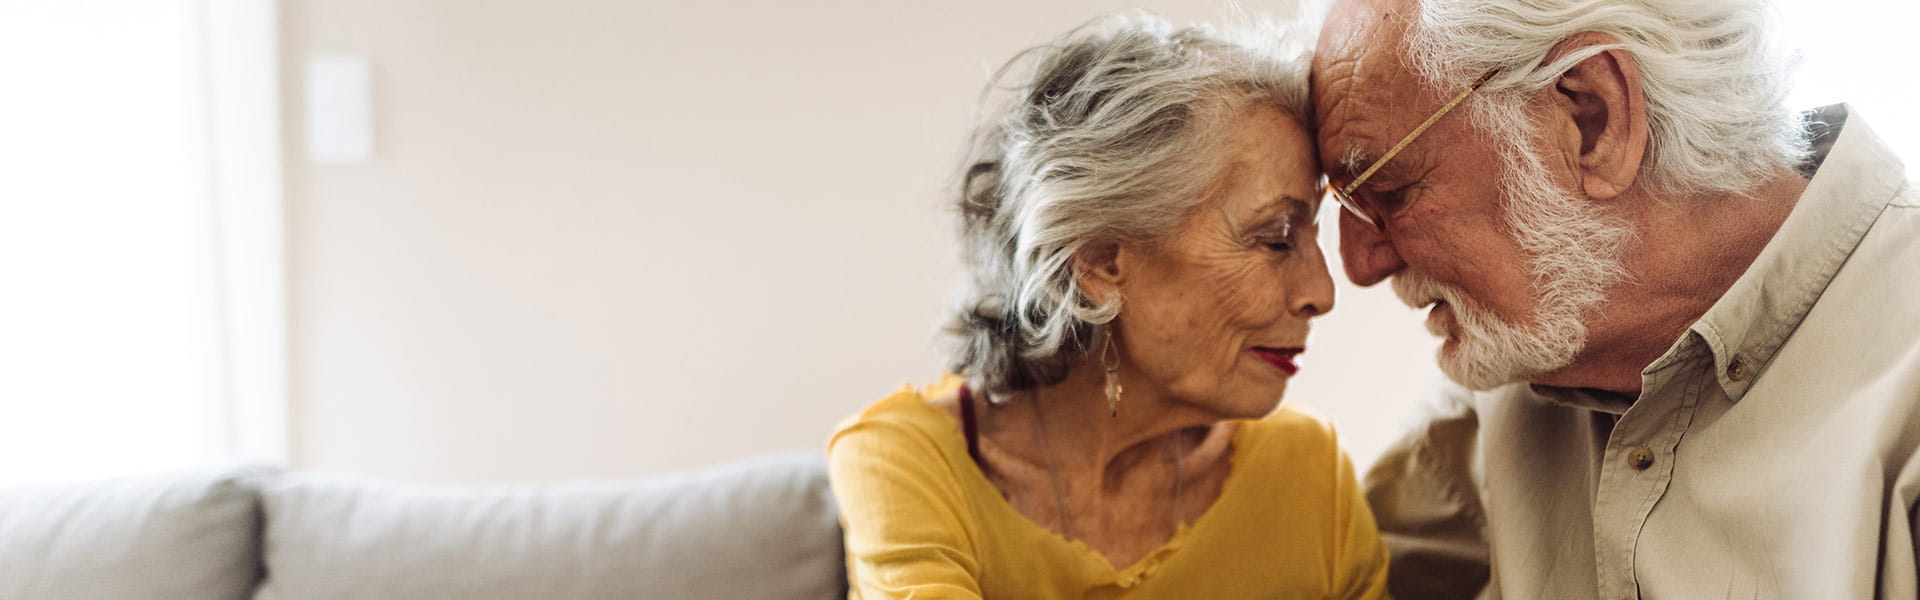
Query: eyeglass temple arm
x=1402 y=145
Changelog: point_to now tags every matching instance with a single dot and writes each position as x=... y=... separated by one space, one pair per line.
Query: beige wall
x=602 y=239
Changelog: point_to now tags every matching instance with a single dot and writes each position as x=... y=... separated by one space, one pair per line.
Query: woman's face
x=1212 y=315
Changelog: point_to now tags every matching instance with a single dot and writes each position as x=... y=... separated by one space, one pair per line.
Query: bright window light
x=1860 y=52
x=108 y=310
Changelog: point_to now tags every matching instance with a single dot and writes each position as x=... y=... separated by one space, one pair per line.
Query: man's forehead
x=1353 y=26
x=1358 y=79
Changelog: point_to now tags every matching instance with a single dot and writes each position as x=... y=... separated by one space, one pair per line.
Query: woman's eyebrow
x=1287 y=208
x=1296 y=210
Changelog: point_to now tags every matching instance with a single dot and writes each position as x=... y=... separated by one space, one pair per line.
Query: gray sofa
x=764 y=528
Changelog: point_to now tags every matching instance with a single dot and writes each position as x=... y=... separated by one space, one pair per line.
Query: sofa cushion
x=189 y=535
x=765 y=528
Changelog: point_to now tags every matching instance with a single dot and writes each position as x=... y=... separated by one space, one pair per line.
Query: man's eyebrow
x=1354 y=161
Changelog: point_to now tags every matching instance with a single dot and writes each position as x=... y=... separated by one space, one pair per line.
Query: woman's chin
x=1257 y=404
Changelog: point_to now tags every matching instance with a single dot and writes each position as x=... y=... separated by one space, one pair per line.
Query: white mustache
x=1418 y=290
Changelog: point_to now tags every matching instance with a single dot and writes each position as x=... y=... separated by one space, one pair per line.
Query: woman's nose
x=1367 y=252
x=1313 y=296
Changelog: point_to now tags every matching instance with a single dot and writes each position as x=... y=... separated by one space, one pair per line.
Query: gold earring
x=1112 y=363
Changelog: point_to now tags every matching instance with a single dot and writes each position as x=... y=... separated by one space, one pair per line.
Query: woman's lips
x=1279 y=357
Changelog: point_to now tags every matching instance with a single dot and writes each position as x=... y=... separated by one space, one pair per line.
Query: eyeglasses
x=1343 y=192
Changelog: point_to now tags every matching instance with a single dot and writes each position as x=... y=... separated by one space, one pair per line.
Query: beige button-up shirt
x=1774 y=451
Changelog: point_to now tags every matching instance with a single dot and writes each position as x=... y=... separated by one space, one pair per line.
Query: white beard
x=1573 y=254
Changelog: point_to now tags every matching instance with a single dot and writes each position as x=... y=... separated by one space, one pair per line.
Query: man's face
x=1445 y=236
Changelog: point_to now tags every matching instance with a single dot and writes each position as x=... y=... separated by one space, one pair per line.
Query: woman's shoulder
x=1294 y=428
x=1293 y=444
x=910 y=416
x=900 y=451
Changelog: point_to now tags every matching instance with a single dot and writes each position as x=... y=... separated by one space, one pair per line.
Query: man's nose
x=1368 y=254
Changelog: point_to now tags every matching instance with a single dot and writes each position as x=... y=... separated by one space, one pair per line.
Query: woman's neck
x=1070 y=426
x=1122 y=484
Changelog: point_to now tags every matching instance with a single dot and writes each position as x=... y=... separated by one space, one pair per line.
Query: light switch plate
x=339 y=109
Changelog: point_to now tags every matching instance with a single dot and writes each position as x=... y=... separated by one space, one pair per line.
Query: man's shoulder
x=1873 y=301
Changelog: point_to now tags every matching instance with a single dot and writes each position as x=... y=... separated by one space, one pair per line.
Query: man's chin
x=1475 y=371
x=1482 y=354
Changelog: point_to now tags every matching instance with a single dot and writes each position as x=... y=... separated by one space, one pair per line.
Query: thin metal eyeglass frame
x=1344 y=193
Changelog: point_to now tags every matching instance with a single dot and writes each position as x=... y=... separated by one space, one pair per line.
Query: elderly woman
x=1139 y=226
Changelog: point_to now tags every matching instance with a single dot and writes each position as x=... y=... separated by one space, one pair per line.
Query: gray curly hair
x=1109 y=135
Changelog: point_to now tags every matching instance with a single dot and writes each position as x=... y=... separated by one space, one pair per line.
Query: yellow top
x=922 y=521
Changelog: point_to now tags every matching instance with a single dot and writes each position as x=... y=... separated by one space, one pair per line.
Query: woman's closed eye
x=1283 y=231
x=1278 y=239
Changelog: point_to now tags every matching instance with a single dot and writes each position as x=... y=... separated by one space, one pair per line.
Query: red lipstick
x=1280 y=357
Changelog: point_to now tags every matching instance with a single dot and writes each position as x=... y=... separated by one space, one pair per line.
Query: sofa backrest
x=765 y=528
x=190 y=535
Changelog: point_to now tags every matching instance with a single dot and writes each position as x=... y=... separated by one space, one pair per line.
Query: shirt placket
x=1635 y=471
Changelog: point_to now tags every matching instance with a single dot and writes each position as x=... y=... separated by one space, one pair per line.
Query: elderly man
x=1684 y=321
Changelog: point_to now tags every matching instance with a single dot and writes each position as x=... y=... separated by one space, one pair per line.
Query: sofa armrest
x=188 y=535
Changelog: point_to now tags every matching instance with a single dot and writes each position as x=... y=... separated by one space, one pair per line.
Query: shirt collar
x=1853 y=178
x=1856 y=177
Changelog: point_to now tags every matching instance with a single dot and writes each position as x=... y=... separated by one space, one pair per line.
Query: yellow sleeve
x=1363 y=556
x=904 y=513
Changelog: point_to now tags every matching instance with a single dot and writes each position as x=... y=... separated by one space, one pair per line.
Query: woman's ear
x=1097 y=267
x=1605 y=132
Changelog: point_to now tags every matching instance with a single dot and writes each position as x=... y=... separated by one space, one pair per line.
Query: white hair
x=1110 y=135
x=1573 y=251
x=1715 y=80
x=1714 y=87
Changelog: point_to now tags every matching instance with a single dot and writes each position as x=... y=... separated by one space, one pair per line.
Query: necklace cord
x=1168 y=454
x=1053 y=475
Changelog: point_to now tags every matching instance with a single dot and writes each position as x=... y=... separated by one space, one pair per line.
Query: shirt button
x=1639 y=458
x=1737 y=369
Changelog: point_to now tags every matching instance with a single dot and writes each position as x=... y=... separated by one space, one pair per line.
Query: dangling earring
x=1112 y=363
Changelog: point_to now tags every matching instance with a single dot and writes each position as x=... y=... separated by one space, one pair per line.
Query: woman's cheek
x=1259 y=298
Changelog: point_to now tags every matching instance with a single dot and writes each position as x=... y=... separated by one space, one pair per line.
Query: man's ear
x=1097 y=266
x=1605 y=133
